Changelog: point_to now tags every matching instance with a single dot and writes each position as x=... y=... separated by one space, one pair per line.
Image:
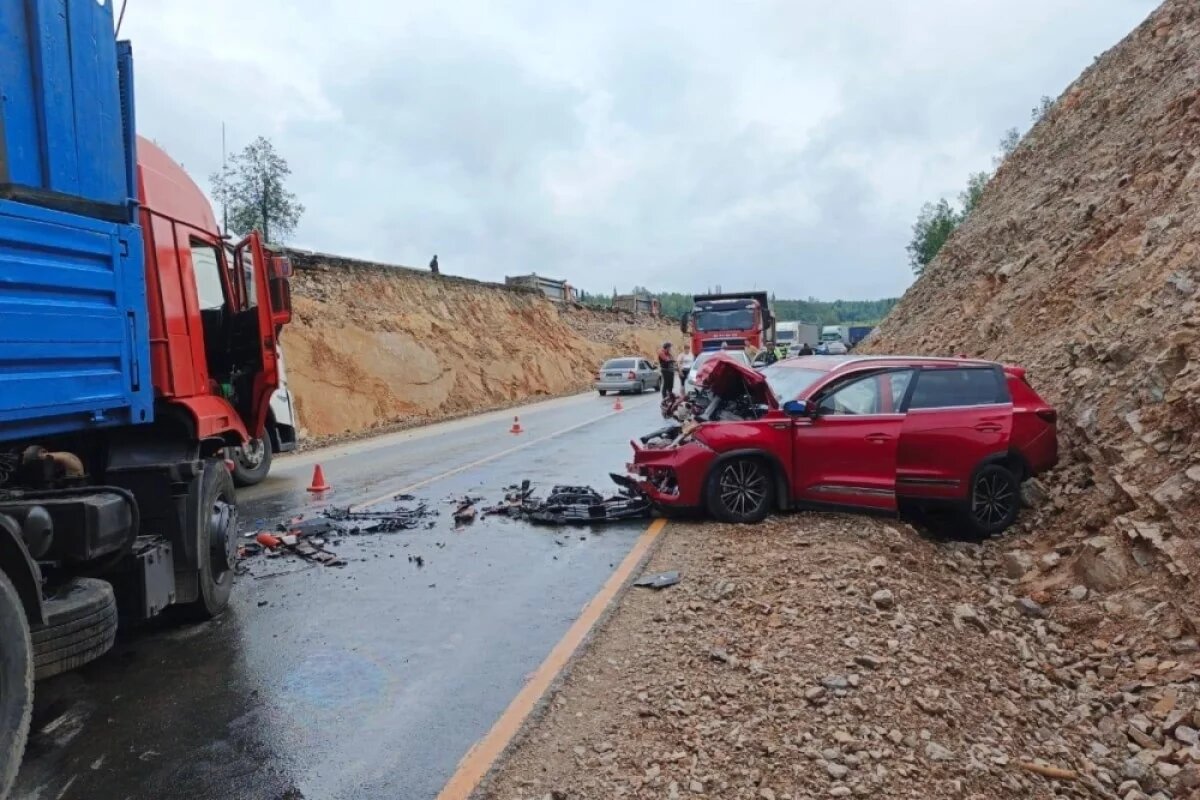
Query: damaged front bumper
x=669 y=466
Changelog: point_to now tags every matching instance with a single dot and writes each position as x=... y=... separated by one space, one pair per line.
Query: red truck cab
x=737 y=321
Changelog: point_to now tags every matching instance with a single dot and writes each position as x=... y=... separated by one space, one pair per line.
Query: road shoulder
x=828 y=656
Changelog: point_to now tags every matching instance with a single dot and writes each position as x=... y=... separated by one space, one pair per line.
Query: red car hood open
x=727 y=378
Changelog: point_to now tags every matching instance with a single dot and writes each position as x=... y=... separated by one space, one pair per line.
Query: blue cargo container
x=66 y=133
x=858 y=333
x=74 y=328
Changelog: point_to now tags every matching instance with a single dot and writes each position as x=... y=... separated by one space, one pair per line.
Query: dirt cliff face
x=1082 y=262
x=372 y=345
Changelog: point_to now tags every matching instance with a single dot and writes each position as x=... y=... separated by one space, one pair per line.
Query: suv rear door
x=957 y=417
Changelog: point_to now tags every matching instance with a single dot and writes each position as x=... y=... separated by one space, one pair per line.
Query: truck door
x=956 y=418
x=251 y=267
x=846 y=454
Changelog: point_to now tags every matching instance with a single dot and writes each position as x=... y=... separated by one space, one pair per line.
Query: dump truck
x=737 y=321
x=134 y=350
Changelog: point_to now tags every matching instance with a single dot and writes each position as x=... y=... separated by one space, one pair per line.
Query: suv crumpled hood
x=728 y=378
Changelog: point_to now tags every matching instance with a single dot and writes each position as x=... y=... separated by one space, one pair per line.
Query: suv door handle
x=988 y=427
x=878 y=438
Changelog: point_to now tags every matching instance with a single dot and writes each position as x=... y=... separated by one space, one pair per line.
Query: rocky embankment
x=1082 y=262
x=372 y=345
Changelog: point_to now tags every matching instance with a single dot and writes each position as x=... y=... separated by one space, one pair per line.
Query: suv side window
x=876 y=393
x=857 y=396
x=943 y=388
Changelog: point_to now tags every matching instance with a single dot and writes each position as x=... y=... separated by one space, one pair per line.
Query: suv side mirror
x=798 y=408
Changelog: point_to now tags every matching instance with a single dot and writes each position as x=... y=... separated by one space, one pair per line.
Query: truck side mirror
x=683 y=321
x=279 y=280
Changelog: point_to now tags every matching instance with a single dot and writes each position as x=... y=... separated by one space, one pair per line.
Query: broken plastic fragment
x=659 y=580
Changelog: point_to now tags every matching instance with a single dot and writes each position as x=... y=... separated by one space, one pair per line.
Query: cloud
x=786 y=145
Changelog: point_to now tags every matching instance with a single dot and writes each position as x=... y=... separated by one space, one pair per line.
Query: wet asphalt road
x=369 y=680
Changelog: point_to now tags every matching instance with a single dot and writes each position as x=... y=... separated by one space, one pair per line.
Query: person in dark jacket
x=805 y=350
x=666 y=365
x=433 y=265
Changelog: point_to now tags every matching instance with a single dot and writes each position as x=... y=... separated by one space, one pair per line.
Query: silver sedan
x=628 y=374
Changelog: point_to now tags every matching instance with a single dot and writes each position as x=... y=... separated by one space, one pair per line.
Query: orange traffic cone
x=617 y=405
x=318 y=480
x=516 y=426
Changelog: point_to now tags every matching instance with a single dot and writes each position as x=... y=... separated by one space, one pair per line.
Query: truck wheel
x=214 y=520
x=16 y=683
x=252 y=462
x=740 y=490
x=81 y=625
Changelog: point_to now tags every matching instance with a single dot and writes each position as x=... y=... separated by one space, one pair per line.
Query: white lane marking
x=412 y=487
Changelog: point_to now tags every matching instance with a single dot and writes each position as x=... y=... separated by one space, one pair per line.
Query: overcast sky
x=781 y=145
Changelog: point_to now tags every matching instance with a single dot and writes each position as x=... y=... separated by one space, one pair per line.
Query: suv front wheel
x=995 y=500
x=740 y=490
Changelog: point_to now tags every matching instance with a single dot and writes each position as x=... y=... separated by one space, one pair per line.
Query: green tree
x=1041 y=109
x=1008 y=143
x=969 y=197
x=251 y=190
x=931 y=230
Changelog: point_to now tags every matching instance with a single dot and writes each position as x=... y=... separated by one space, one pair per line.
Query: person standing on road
x=433 y=265
x=666 y=365
x=685 y=365
x=805 y=350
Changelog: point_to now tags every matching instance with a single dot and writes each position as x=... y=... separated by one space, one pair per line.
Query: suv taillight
x=632 y=375
x=1049 y=415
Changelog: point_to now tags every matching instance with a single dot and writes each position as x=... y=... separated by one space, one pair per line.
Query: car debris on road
x=402 y=518
x=571 y=505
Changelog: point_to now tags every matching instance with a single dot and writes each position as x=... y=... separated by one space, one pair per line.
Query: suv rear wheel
x=995 y=500
x=740 y=490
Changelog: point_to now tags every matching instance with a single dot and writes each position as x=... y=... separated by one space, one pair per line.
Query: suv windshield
x=788 y=382
x=737 y=319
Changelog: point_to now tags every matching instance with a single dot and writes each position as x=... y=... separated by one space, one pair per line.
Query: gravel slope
x=830 y=656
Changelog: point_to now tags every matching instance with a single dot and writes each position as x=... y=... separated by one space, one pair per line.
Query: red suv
x=861 y=432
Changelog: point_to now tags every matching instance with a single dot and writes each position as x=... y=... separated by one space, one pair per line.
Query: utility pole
x=224 y=177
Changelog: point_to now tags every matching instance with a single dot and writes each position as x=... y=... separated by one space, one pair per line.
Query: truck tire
x=252 y=463
x=214 y=522
x=81 y=626
x=16 y=683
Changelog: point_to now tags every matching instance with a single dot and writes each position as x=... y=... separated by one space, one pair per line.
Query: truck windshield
x=738 y=319
x=785 y=336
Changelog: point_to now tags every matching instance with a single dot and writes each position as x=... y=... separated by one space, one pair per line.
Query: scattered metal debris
x=464 y=514
x=659 y=580
x=398 y=519
x=570 y=505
